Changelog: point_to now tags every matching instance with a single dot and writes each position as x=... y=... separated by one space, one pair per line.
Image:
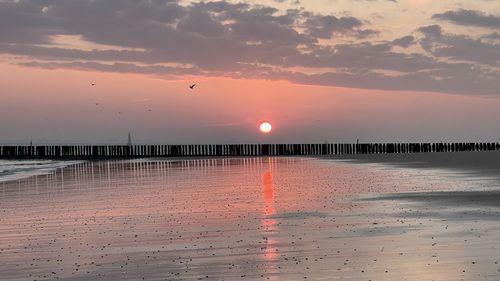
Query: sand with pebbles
x=254 y=219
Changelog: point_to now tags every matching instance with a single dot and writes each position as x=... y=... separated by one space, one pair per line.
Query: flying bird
x=92 y=84
x=96 y=103
x=192 y=86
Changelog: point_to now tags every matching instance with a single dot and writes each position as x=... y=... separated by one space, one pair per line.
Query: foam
x=11 y=170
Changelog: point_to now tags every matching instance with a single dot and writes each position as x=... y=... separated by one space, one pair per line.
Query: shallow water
x=18 y=169
x=245 y=219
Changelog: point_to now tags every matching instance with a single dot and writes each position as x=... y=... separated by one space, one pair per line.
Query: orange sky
x=49 y=106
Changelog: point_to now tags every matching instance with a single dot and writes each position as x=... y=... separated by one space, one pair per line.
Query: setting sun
x=265 y=127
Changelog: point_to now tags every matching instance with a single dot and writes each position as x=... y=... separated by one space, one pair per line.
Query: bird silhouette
x=192 y=86
x=92 y=84
x=96 y=103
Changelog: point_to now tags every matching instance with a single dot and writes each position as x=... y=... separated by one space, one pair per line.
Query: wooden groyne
x=195 y=150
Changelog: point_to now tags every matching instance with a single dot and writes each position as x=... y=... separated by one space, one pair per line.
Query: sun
x=265 y=127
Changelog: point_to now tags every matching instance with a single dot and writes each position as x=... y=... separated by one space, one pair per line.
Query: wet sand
x=250 y=219
x=482 y=163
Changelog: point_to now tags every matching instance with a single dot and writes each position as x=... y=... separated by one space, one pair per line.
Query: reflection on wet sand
x=235 y=219
x=269 y=226
x=268 y=193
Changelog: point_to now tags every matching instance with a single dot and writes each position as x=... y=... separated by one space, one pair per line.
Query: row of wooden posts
x=194 y=150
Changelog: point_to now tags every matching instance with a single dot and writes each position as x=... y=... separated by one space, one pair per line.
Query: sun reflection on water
x=269 y=226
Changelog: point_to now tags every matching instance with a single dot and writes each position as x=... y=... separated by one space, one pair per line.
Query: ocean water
x=18 y=169
x=248 y=219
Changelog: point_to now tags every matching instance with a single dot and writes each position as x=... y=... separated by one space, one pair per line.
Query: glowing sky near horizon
x=318 y=71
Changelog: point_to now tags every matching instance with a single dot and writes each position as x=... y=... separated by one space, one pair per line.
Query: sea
x=18 y=169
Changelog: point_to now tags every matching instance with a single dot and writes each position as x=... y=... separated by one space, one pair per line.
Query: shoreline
x=477 y=163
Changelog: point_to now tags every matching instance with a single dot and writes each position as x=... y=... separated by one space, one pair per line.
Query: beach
x=373 y=217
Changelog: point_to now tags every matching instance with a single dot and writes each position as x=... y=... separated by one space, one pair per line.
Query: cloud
x=460 y=80
x=492 y=36
x=241 y=40
x=431 y=31
x=325 y=27
x=459 y=47
x=404 y=42
x=116 y=67
x=470 y=17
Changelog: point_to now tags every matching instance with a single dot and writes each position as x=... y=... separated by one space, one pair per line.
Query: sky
x=318 y=70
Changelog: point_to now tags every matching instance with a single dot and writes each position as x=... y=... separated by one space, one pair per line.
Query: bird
x=96 y=103
x=92 y=84
x=192 y=86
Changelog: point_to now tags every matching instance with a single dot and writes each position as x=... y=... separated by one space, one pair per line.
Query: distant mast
x=129 y=141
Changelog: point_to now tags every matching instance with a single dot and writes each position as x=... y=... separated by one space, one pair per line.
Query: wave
x=19 y=169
